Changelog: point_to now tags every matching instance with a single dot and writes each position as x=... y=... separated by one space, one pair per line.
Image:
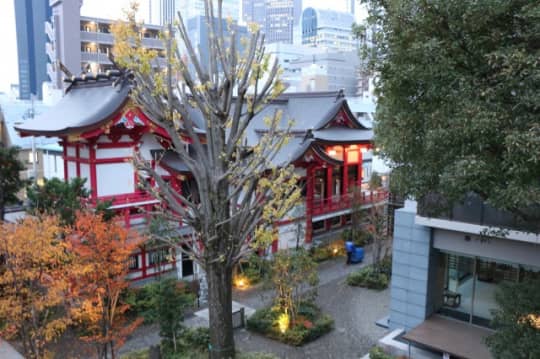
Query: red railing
x=345 y=201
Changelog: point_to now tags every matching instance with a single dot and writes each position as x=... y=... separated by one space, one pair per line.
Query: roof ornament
x=340 y=95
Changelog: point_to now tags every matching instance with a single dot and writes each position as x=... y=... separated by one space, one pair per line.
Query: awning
x=459 y=339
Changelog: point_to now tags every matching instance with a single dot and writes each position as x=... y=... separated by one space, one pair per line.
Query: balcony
x=49 y=30
x=51 y=72
x=346 y=201
x=474 y=210
x=100 y=58
x=97 y=37
x=49 y=49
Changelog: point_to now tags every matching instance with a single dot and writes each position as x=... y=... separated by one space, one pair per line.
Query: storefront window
x=470 y=284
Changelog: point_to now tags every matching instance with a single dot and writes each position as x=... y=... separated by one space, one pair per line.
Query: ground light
x=241 y=282
x=283 y=322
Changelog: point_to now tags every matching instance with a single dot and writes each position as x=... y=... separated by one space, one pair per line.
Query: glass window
x=134 y=262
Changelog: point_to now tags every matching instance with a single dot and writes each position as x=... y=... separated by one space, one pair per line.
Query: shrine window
x=133 y=262
x=318 y=226
x=159 y=256
x=336 y=152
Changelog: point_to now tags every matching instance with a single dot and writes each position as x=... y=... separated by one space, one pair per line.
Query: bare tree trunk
x=2 y=208
x=220 y=309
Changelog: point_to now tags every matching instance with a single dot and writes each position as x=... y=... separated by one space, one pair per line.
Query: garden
x=294 y=317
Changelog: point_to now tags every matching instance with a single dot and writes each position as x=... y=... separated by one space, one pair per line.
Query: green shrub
x=197 y=338
x=308 y=309
x=386 y=265
x=138 y=354
x=367 y=277
x=321 y=326
x=378 y=353
x=264 y=321
x=294 y=336
x=144 y=301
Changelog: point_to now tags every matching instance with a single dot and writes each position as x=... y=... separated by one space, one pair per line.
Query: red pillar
x=78 y=156
x=310 y=184
x=345 y=172
x=360 y=160
x=92 y=164
x=329 y=191
x=143 y=261
x=64 y=147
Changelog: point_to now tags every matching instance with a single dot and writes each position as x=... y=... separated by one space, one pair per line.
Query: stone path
x=355 y=311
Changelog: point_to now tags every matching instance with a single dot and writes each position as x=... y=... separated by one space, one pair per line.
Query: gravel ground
x=354 y=310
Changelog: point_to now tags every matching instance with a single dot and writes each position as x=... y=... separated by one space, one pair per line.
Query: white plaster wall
x=114 y=152
x=72 y=170
x=71 y=151
x=84 y=152
x=85 y=173
x=125 y=138
x=115 y=178
x=49 y=168
x=104 y=139
x=148 y=143
x=287 y=234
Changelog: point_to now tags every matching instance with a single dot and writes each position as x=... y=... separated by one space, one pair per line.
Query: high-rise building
x=328 y=29
x=254 y=11
x=83 y=44
x=163 y=12
x=30 y=17
x=281 y=16
x=193 y=8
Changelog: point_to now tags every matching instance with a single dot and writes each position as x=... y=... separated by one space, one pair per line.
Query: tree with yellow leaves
x=33 y=283
x=101 y=250
x=239 y=191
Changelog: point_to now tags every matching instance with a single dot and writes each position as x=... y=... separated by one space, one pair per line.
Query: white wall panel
x=114 y=152
x=85 y=173
x=114 y=179
x=72 y=170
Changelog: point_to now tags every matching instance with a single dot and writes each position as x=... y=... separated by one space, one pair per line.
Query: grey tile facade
x=410 y=276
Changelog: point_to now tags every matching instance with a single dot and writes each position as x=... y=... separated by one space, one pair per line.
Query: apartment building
x=83 y=44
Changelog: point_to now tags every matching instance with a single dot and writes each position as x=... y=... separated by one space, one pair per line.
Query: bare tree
x=240 y=191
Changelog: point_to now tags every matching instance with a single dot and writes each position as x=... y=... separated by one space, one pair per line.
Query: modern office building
x=198 y=34
x=447 y=268
x=328 y=29
x=254 y=11
x=307 y=69
x=281 y=17
x=162 y=12
x=194 y=8
x=30 y=17
x=83 y=44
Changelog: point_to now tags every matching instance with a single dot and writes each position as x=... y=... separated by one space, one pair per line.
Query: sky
x=111 y=9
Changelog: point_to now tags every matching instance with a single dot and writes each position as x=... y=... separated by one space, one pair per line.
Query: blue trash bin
x=357 y=255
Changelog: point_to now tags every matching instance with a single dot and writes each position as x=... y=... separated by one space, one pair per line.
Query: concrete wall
x=410 y=276
x=505 y=250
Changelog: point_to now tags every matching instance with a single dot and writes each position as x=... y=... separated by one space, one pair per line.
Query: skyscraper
x=30 y=17
x=193 y=8
x=254 y=11
x=163 y=12
x=281 y=17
